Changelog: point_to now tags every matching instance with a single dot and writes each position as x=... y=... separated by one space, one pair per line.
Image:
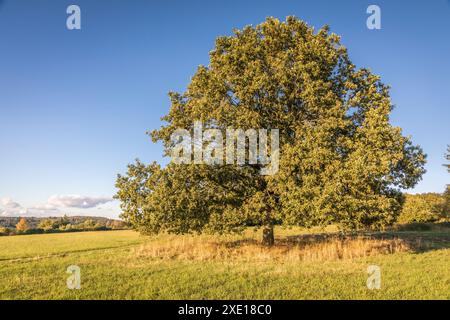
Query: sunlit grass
x=125 y=265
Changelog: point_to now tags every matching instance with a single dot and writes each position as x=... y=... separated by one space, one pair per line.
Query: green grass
x=116 y=265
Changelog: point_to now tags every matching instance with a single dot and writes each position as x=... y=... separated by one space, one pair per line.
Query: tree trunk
x=268 y=239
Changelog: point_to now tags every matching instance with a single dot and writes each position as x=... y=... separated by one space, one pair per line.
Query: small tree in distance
x=22 y=225
x=47 y=224
x=341 y=161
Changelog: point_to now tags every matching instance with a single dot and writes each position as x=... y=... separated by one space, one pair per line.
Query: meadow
x=317 y=264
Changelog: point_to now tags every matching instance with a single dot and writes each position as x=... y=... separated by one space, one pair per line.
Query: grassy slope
x=34 y=267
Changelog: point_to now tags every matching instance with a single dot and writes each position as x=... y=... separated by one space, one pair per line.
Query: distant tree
x=115 y=224
x=22 y=225
x=4 y=231
x=118 y=224
x=47 y=224
x=341 y=161
x=64 y=220
x=89 y=224
x=66 y=227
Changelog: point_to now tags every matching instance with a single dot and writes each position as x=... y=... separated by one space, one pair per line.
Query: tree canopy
x=341 y=161
x=426 y=207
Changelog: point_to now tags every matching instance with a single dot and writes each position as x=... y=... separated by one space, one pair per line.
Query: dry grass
x=289 y=249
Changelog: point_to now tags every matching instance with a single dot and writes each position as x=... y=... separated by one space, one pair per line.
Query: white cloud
x=10 y=207
x=76 y=201
x=8 y=203
x=52 y=206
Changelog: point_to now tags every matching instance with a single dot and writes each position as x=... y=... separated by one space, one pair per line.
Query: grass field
x=126 y=265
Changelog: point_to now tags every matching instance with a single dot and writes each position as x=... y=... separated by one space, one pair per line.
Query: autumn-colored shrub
x=22 y=226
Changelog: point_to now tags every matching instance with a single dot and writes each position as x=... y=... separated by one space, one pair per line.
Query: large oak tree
x=341 y=161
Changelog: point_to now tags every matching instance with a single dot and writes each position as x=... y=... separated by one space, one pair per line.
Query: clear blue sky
x=75 y=105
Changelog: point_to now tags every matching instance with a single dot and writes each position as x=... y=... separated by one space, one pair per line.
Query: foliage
x=447 y=189
x=427 y=207
x=62 y=224
x=48 y=224
x=22 y=225
x=4 y=231
x=341 y=160
x=446 y=207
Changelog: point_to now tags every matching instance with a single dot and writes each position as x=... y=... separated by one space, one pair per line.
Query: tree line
x=33 y=225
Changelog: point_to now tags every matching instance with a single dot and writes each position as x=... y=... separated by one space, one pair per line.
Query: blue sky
x=75 y=104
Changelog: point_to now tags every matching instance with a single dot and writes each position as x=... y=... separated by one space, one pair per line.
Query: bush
x=47 y=224
x=426 y=207
x=22 y=226
x=4 y=231
x=34 y=231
